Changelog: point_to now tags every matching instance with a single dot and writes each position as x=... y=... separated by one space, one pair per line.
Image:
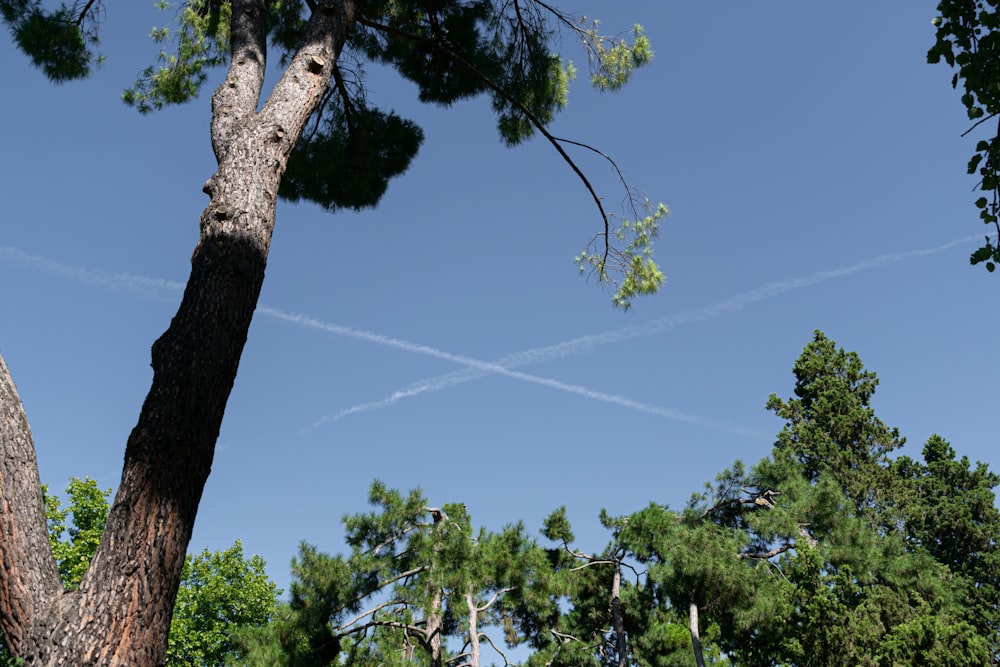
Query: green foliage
x=74 y=541
x=201 y=40
x=612 y=60
x=221 y=592
x=56 y=41
x=968 y=38
x=858 y=559
x=831 y=426
x=826 y=552
x=416 y=575
x=349 y=164
x=451 y=50
x=950 y=512
x=633 y=260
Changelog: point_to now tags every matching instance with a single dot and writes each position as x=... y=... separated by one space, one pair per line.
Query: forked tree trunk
x=120 y=615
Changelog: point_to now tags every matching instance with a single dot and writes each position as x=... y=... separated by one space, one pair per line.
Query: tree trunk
x=699 y=658
x=619 y=619
x=120 y=615
x=435 y=615
x=432 y=632
x=475 y=649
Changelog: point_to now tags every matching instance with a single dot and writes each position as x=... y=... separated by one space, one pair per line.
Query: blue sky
x=813 y=165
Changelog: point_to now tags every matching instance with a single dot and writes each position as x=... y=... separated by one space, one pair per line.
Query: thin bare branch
x=564 y=637
x=980 y=122
x=490 y=641
x=496 y=596
x=83 y=12
x=532 y=118
x=386 y=624
x=370 y=612
x=768 y=554
x=596 y=561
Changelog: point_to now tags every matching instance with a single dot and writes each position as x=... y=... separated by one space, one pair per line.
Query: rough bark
x=120 y=615
x=29 y=580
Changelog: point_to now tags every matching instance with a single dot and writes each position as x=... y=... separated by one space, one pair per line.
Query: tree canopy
x=351 y=148
x=828 y=551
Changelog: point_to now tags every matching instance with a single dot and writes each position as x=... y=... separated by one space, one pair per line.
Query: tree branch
x=532 y=118
x=29 y=579
x=237 y=96
x=496 y=596
x=980 y=122
x=768 y=554
x=503 y=655
x=83 y=12
x=370 y=612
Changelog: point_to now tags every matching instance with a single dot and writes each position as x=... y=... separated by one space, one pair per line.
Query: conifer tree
x=420 y=585
x=829 y=551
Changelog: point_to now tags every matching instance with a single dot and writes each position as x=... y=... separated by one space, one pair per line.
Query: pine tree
x=318 y=136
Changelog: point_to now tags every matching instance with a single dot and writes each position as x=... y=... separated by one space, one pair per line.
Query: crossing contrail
x=494 y=368
x=144 y=284
x=670 y=323
x=505 y=366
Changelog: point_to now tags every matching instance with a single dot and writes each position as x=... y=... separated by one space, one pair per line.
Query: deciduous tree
x=315 y=136
x=968 y=39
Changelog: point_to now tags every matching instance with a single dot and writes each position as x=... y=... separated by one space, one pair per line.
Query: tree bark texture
x=120 y=615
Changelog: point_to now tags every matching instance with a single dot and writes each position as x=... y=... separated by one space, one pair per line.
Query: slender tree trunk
x=619 y=618
x=699 y=658
x=475 y=650
x=435 y=615
x=432 y=632
x=120 y=615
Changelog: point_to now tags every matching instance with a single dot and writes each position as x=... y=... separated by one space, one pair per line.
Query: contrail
x=475 y=368
x=489 y=367
x=663 y=325
x=126 y=281
x=144 y=284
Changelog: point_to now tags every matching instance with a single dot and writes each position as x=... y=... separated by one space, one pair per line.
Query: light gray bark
x=699 y=658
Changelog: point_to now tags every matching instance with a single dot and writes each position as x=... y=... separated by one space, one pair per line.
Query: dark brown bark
x=120 y=615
